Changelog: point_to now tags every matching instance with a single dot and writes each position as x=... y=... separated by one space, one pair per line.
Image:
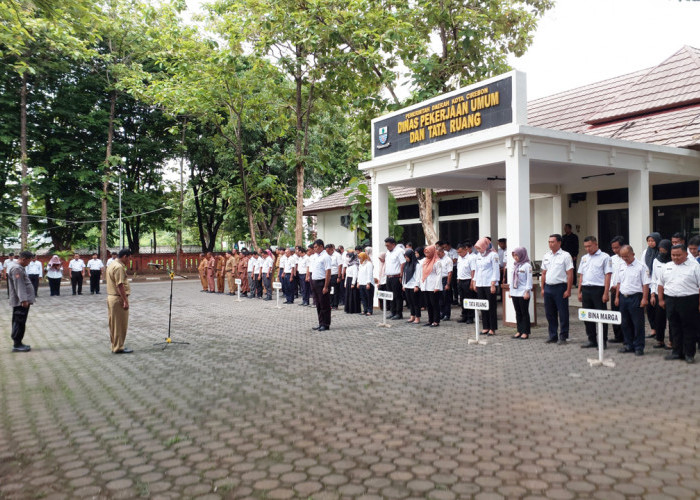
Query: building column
x=380 y=219
x=557 y=213
x=488 y=215
x=639 y=207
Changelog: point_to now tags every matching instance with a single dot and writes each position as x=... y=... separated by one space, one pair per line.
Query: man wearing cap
x=22 y=296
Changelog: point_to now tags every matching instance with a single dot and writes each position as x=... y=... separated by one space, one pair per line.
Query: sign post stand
x=277 y=286
x=477 y=305
x=238 y=288
x=386 y=296
x=600 y=317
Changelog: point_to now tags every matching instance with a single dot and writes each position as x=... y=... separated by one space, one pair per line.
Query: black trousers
x=394 y=285
x=466 y=292
x=413 y=301
x=489 y=317
x=19 y=322
x=340 y=291
x=683 y=316
x=660 y=320
x=522 y=314
x=593 y=299
x=335 y=296
x=433 y=301
x=453 y=286
x=76 y=281
x=305 y=290
x=367 y=297
x=55 y=286
x=95 y=281
x=617 y=329
x=323 y=302
x=445 y=300
x=34 y=278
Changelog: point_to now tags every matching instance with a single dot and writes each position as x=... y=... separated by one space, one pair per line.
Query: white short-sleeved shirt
x=633 y=277
x=267 y=265
x=487 y=269
x=251 y=264
x=365 y=274
x=7 y=262
x=680 y=280
x=593 y=268
x=415 y=279
x=556 y=264
x=393 y=261
x=303 y=264
x=446 y=265
x=288 y=264
x=335 y=262
x=464 y=267
x=257 y=265
x=433 y=281
x=615 y=263
x=95 y=264
x=320 y=265
x=76 y=265
x=35 y=267
x=109 y=261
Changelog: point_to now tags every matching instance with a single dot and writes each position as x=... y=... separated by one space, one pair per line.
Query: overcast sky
x=584 y=41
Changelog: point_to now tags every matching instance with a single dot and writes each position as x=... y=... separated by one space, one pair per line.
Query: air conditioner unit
x=345 y=221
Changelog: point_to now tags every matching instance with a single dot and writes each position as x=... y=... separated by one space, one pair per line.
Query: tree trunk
x=105 y=183
x=244 y=183
x=425 y=209
x=178 y=235
x=155 y=243
x=299 y=169
x=200 y=222
x=24 y=224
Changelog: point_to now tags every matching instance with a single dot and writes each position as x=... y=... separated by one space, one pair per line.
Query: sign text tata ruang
x=476 y=108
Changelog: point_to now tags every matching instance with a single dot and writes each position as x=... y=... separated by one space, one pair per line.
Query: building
x=615 y=157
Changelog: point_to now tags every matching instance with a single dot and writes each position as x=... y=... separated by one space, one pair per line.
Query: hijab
x=409 y=268
x=420 y=253
x=430 y=259
x=486 y=244
x=664 y=257
x=55 y=262
x=352 y=259
x=521 y=253
x=651 y=253
x=363 y=257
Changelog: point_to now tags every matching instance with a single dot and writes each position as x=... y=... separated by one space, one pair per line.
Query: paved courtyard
x=259 y=406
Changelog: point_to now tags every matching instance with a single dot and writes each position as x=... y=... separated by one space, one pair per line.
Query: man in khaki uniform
x=211 y=272
x=230 y=272
x=242 y=270
x=220 y=273
x=118 y=291
x=203 y=272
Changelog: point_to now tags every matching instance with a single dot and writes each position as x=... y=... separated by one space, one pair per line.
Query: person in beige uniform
x=118 y=291
x=202 y=268
x=230 y=271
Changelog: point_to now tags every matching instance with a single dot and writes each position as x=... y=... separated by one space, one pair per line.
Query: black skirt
x=352 y=298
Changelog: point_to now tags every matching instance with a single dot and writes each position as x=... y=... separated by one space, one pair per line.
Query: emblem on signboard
x=383 y=135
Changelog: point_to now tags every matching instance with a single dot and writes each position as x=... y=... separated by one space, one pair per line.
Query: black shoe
x=690 y=359
x=80 y=293
x=396 y=318
x=21 y=348
x=75 y=293
x=266 y=298
x=562 y=342
x=639 y=352
x=434 y=325
x=470 y=321
x=97 y=293
x=323 y=328
x=625 y=350
x=616 y=341
x=551 y=341
x=461 y=320
x=445 y=319
x=660 y=345
x=671 y=356
x=589 y=345
x=428 y=324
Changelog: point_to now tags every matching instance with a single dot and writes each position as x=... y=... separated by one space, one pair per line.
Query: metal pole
x=476 y=323
x=601 y=343
x=121 y=230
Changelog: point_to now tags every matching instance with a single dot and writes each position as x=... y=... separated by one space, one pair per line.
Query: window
x=408 y=212
x=675 y=190
x=459 y=206
x=610 y=196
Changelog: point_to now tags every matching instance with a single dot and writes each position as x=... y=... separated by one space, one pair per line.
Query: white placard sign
x=598 y=316
x=481 y=305
x=384 y=295
x=276 y=285
x=237 y=281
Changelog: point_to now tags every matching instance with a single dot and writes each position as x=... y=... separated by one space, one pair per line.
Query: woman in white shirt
x=520 y=288
x=54 y=272
x=365 y=285
x=662 y=258
x=352 y=294
x=431 y=284
x=485 y=281
x=411 y=285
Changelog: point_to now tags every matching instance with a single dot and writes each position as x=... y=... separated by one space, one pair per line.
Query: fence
x=138 y=264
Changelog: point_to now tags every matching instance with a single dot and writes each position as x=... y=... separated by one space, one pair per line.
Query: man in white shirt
x=114 y=257
x=557 y=278
x=632 y=283
x=678 y=289
x=342 y=257
x=446 y=295
x=465 y=261
x=503 y=259
x=95 y=267
x=35 y=271
x=320 y=278
x=302 y=269
x=335 y=269
x=266 y=270
x=594 y=273
x=77 y=269
x=249 y=270
x=615 y=262
x=287 y=265
x=393 y=268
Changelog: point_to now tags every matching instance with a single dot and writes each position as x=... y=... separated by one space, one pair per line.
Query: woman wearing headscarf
x=520 y=288
x=365 y=285
x=352 y=294
x=662 y=258
x=648 y=257
x=420 y=255
x=54 y=273
x=431 y=284
x=411 y=285
x=380 y=280
x=486 y=277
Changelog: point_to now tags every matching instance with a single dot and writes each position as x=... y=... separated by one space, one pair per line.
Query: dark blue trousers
x=556 y=307
x=632 y=321
x=287 y=289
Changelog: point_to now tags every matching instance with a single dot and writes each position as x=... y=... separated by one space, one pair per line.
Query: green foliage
x=359 y=202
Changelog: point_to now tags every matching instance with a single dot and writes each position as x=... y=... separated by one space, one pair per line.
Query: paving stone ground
x=259 y=406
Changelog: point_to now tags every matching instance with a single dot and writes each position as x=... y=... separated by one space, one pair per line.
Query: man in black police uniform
x=569 y=243
x=679 y=284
